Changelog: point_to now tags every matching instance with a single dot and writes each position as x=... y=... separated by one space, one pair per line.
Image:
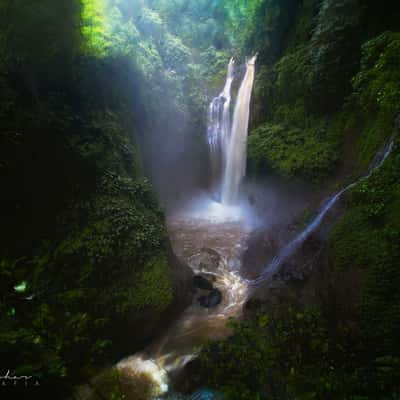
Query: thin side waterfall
x=235 y=169
x=219 y=120
x=292 y=246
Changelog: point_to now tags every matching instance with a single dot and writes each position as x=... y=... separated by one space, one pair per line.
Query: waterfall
x=235 y=169
x=292 y=246
x=219 y=125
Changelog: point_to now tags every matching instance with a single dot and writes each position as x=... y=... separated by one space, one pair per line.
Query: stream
x=212 y=246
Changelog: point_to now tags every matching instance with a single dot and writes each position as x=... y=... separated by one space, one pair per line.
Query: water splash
x=204 y=394
x=235 y=169
x=292 y=246
x=202 y=207
x=139 y=364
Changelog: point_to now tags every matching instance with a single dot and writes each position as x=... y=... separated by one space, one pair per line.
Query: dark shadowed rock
x=202 y=283
x=211 y=300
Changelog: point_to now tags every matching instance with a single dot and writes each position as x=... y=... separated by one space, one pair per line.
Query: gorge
x=200 y=199
x=214 y=228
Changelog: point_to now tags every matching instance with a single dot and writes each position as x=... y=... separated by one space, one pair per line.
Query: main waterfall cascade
x=202 y=227
x=219 y=125
x=236 y=156
x=228 y=141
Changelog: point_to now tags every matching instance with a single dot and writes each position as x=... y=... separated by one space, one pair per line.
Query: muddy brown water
x=214 y=249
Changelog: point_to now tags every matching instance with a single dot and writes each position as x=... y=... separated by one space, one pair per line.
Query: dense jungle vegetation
x=90 y=90
x=326 y=102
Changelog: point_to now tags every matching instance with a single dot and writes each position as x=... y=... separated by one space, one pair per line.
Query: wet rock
x=202 y=283
x=188 y=379
x=209 y=276
x=211 y=300
x=304 y=280
x=209 y=259
x=260 y=249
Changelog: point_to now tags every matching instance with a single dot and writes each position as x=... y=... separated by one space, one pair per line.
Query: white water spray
x=292 y=246
x=235 y=169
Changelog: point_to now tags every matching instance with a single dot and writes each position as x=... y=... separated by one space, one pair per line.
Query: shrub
x=307 y=153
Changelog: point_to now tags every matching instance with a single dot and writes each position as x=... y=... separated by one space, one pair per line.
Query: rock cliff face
x=308 y=279
x=318 y=117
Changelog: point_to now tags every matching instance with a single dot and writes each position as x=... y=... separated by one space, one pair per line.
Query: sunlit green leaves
x=95 y=27
x=21 y=287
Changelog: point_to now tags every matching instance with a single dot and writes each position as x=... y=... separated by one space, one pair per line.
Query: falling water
x=236 y=150
x=292 y=246
x=219 y=125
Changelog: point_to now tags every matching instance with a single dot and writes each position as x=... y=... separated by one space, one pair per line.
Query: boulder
x=209 y=259
x=211 y=300
x=202 y=283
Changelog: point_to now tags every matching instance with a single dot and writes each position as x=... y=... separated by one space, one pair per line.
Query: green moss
x=308 y=153
x=376 y=96
x=153 y=286
x=121 y=230
x=280 y=86
x=355 y=242
x=302 y=30
x=292 y=115
x=288 y=87
x=359 y=239
x=288 y=354
x=367 y=238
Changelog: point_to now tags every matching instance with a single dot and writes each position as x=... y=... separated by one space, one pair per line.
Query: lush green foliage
x=306 y=153
x=95 y=28
x=83 y=237
x=152 y=287
x=153 y=36
x=124 y=385
x=300 y=138
x=334 y=53
x=101 y=266
x=292 y=354
x=304 y=126
x=376 y=94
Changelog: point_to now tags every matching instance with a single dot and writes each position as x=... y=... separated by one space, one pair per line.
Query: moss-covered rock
x=376 y=97
x=152 y=287
x=293 y=152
